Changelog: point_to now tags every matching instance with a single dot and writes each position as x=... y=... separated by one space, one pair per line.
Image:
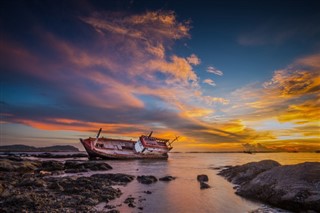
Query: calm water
x=184 y=194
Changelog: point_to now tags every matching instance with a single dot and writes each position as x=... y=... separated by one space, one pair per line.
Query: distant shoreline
x=25 y=148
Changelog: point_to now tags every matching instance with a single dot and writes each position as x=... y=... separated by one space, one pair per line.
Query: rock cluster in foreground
x=28 y=186
x=37 y=186
x=293 y=187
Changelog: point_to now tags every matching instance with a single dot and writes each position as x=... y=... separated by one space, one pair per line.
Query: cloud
x=193 y=59
x=209 y=81
x=296 y=85
x=214 y=70
x=290 y=99
x=210 y=100
x=121 y=74
x=121 y=79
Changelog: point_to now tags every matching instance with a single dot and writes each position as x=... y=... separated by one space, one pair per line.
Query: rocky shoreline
x=292 y=187
x=55 y=186
x=40 y=186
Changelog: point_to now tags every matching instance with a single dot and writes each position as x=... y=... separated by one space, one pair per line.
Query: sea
x=184 y=194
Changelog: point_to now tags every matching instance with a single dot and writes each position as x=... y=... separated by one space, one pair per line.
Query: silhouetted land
x=25 y=148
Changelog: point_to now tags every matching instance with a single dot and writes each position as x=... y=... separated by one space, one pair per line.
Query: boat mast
x=97 y=138
x=177 y=137
x=150 y=134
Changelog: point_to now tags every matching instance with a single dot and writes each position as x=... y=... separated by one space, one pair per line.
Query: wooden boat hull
x=116 y=154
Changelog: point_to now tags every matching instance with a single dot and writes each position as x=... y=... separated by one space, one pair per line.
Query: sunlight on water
x=184 y=194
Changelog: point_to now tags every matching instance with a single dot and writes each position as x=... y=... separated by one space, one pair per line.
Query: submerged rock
x=92 y=165
x=167 y=178
x=292 y=187
x=203 y=179
x=147 y=179
x=130 y=201
x=118 y=178
x=204 y=185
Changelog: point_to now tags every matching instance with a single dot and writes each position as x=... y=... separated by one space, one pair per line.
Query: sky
x=222 y=75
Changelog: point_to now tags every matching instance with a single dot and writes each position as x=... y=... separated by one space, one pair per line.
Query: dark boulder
x=244 y=173
x=147 y=179
x=202 y=178
x=292 y=187
x=167 y=178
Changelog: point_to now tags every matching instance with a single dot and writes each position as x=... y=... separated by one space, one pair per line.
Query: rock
x=18 y=166
x=52 y=165
x=92 y=202
x=92 y=165
x=204 y=185
x=55 y=186
x=120 y=179
x=31 y=181
x=15 y=158
x=147 y=179
x=292 y=187
x=44 y=155
x=244 y=173
x=167 y=178
x=130 y=202
x=28 y=186
x=50 y=155
x=2 y=188
x=220 y=167
x=109 y=206
x=75 y=170
x=113 y=211
x=202 y=178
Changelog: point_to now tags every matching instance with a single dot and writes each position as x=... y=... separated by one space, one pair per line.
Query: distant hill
x=24 y=148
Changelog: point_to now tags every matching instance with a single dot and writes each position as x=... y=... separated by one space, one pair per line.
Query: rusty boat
x=146 y=147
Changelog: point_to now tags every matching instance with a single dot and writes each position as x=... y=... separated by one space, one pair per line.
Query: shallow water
x=184 y=194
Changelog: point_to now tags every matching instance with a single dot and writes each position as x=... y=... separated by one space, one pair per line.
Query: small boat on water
x=146 y=147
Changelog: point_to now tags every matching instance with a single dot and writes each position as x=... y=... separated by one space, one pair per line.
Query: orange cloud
x=193 y=59
x=305 y=112
x=209 y=81
x=291 y=96
x=214 y=70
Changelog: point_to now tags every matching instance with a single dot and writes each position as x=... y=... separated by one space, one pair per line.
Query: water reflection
x=184 y=194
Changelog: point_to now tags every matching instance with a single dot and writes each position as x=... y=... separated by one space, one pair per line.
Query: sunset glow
x=217 y=77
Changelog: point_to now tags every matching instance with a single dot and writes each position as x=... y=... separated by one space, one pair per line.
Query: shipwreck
x=146 y=147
